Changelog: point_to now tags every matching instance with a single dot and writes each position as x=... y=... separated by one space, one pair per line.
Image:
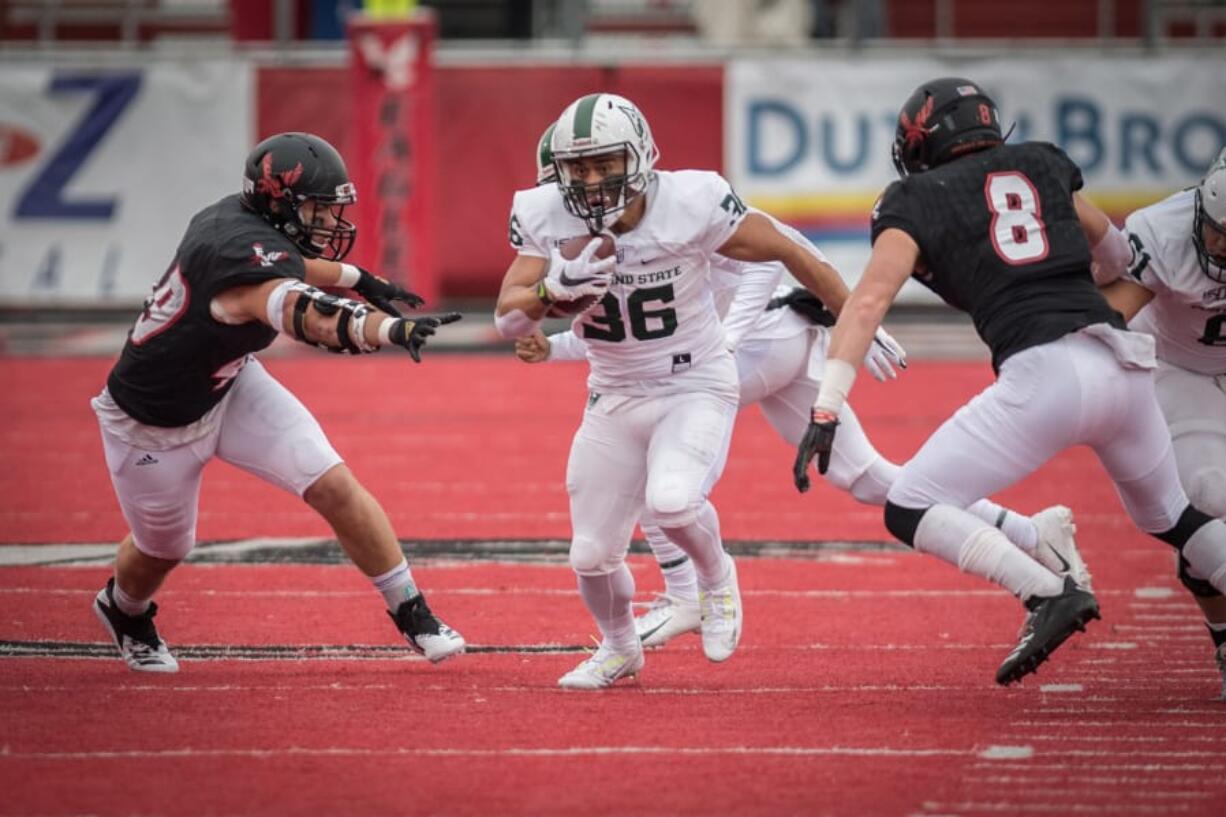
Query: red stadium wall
x=489 y=120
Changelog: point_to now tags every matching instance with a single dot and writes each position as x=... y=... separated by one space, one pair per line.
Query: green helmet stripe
x=583 y=116
x=545 y=149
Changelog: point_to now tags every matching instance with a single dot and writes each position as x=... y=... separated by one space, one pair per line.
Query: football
x=570 y=249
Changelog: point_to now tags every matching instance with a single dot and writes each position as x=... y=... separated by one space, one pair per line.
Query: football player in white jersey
x=663 y=385
x=1172 y=285
x=780 y=354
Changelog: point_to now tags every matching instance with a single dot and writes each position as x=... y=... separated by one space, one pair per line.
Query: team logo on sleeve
x=267 y=259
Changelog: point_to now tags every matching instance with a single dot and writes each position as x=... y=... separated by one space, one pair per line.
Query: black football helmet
x=943 y=119
x=286 y=171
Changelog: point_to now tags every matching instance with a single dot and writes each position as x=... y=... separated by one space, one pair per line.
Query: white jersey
x=658 y=319
x=1187 y=315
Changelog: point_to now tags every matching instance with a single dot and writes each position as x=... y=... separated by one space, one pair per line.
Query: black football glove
x=806 y=304
x=380 y=292
x=413 y=334
x=818 y=441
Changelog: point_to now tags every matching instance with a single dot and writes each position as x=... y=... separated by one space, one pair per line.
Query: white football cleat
x=720 y=608
x=602 y=668
x=666 y=618
x=1057 y=550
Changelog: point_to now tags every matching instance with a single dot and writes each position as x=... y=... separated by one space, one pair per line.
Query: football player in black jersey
x=1000 y=232
x=186 y=387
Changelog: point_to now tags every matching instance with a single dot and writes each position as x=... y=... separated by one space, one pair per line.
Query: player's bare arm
x=1126 y=297
x=757 y=239
x=532 y=284
x=894 y=257
x=893 y=260
x=1109 y=247
x=520 y=306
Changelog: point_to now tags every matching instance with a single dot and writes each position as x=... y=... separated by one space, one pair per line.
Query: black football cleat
x=136 y=637
x=1052 y=619
x=425 y=632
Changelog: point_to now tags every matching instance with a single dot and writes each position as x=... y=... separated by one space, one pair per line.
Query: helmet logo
x=275 y=184
x=636 y=121
x=915 y=132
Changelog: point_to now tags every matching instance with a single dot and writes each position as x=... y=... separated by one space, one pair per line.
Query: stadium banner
x=392 y=150
x=809 y=140
x=102 y=167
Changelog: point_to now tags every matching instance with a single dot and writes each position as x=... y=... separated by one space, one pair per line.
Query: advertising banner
x=392 y=150
x=809 y=140
x=101 y=169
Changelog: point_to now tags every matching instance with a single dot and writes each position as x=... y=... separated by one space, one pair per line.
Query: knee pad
x=671 y=504
x=1200 y=588
x=1207 y=490
x=591 y=558
x=903 y=522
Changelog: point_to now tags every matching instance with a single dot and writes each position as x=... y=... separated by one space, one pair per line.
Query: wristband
x=542 y=292
x=836 y=383
x=349 y=277
x=385 y=331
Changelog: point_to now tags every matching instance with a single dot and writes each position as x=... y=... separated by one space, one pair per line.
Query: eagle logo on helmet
x=915 y=132
x=275 y=184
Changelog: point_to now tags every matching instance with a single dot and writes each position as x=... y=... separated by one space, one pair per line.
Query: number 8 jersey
x=999 y=239
x=658 y=319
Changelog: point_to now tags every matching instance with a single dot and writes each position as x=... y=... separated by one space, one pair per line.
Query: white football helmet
x=545 y=171
x=597 y=125
x=1211 y=219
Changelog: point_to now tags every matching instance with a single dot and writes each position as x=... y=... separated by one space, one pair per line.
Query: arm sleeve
x=757 y=285
x=566 y=346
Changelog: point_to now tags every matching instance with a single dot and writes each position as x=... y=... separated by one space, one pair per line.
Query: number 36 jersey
x=999 y=239
x=1187 y=315
x=658 y=320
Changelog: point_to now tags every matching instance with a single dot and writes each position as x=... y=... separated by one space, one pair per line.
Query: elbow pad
x=515 y=324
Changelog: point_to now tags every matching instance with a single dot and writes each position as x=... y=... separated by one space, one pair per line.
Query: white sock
x=701 y=542
x=128 y=605
x=963 y=540
x=396 y=585
x=608 y=600
x=680 y=578
x=1021 y=530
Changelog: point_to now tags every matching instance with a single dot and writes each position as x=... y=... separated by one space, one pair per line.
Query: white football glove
x=582 y=275
x=884 y=355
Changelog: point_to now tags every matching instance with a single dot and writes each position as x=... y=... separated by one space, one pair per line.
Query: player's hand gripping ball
x=570 y=250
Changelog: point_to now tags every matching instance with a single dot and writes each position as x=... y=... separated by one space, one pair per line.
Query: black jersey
x=179 y=361
x=999 y=239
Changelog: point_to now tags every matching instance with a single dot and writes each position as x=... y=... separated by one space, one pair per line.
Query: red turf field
x=862 y=686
